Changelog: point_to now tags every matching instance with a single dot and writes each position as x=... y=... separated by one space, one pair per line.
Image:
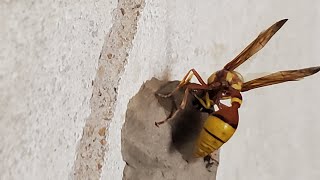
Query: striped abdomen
x=213 y=135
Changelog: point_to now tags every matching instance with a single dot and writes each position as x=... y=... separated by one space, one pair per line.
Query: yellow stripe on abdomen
x=214 y=134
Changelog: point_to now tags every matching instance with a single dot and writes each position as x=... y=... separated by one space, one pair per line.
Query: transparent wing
x=279 y=77
x=255 y=45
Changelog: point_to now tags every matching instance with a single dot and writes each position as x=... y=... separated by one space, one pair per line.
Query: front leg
x=186 y=80
x=181 y=107
x=190 y=86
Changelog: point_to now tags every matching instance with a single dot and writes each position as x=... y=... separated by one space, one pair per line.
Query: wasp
x=227 y=84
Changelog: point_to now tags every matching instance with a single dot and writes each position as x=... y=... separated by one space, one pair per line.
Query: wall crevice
x=92 y=148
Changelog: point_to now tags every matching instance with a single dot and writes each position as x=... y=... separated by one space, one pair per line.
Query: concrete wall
x=49 y=55
x=56 y=124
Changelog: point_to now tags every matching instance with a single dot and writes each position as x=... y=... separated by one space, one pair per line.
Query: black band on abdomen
x=213 y=135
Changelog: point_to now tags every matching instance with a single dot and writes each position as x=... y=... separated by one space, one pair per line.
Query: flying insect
x=228 y=84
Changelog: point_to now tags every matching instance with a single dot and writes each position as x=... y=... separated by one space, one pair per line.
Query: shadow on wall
x=162 y=153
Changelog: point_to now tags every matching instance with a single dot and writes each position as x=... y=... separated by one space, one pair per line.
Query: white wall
x=49 y=54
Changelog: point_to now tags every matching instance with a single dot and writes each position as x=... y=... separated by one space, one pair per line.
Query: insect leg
x=168 y=118
x=173 y=113
x=198 y=77
x=190 y=86
x=207 y=103
x=186 y=79
x=181 y=107
x=194 y=86
x=185 y=98
x=212 y=157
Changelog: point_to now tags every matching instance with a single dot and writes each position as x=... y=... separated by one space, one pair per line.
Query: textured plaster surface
x=48 y=57
x=49 y=53
x=93 y=144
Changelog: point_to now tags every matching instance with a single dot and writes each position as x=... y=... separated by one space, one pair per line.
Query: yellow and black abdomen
x=213 y=135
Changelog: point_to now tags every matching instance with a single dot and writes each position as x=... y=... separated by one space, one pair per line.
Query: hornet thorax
x=224 y=79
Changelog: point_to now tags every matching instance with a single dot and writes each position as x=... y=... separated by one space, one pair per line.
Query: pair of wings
x=275 y=78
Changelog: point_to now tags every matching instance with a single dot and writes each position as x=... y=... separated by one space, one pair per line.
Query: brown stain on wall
x=92 y=148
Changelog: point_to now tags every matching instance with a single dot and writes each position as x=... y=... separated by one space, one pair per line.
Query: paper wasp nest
x=161 y=153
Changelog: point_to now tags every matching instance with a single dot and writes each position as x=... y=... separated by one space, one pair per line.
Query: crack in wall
x=92 y=147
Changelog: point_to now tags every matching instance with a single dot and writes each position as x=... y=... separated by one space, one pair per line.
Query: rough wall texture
x=49 y=54
x=93 y=144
